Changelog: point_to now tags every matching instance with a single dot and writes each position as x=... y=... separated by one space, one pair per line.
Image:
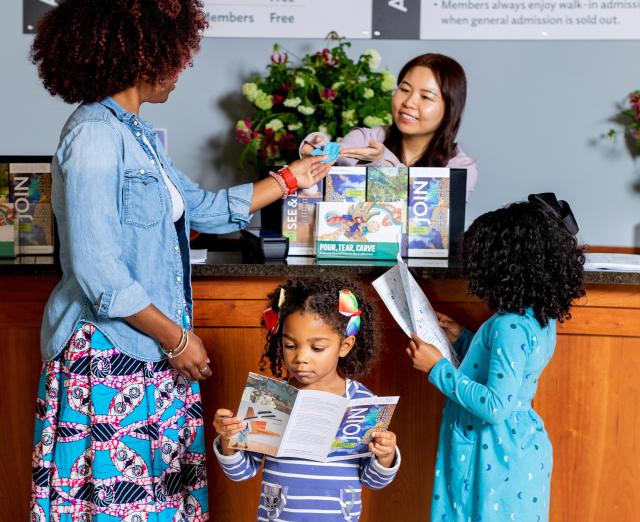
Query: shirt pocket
x=142 y=198
x=461 y=461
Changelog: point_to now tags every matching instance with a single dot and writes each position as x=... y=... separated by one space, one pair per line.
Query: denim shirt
x=120 y=250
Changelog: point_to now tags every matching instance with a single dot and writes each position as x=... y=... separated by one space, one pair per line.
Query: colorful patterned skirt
x=116 y=439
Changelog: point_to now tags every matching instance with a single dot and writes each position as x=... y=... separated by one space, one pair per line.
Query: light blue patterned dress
x=494 y=456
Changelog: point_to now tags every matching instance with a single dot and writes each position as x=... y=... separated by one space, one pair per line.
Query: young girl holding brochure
x=323 y=332
x=494 y=456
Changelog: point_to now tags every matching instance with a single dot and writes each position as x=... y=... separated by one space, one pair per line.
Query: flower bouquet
x=325 y=91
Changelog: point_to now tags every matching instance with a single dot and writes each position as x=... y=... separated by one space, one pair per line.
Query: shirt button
x=153 y=162
x=141 y=171
x=138 y=133
x=176 y=248
x=135 y=122
x=178 y=279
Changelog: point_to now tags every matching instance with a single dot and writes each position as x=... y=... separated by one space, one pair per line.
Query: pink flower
x=279 y=58
x=635 y=134
x=327 y=57
x=328 y=94
x=245 y=135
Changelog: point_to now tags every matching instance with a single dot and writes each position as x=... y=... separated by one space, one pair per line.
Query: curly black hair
x=320 y=296
x=86 y=50
x=522 y=256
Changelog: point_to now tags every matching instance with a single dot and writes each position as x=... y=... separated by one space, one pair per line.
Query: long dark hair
x=453 y=85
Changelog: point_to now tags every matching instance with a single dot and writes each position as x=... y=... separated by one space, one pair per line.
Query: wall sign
x=412 y=19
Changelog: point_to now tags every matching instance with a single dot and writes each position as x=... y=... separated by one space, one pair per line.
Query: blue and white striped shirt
x=311 y=491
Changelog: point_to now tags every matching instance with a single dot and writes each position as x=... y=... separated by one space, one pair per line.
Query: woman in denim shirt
x=119 y=432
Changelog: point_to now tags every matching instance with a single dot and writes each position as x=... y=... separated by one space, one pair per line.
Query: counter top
x=230 y=264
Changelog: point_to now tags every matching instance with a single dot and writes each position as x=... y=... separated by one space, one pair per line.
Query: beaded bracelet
x=180 y=347
x=283 y=186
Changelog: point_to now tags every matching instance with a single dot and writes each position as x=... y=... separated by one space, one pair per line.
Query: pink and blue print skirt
x=116 y=439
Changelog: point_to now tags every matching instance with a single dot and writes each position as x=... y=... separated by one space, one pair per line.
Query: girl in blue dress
x=494 y=456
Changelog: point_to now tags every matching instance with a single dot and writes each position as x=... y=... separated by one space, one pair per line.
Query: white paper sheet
x=411 y=309
x=198 y=256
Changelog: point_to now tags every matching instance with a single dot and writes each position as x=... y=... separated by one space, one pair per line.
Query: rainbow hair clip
x=271 y=317
x=348 y=305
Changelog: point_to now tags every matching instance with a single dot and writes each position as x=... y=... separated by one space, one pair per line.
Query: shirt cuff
x=240 y=203
x=379 y=468
x=226 y=459
x=124 y=302
x=440 y=373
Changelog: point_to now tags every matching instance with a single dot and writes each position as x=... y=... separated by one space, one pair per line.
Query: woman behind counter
x=427 y=109
x=118 y=431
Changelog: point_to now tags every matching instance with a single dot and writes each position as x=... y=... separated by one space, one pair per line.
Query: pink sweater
x=360 y=137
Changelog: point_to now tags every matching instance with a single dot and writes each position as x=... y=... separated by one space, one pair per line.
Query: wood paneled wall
x=588 y=397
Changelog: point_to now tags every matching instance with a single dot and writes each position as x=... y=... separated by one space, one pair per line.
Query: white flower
x=368 y=93
x=373 y=57
x=373 y=121
x=337 y=85
x=294 y=126
x=349 y=115
x=275 y=125
x=250 y=90
x=263 y=101
x=299 y=80
x=388 y=81
x=307 y=111
x=292 y=102
x=241 y=125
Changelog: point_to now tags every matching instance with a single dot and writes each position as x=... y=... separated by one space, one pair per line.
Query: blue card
x=331 y=149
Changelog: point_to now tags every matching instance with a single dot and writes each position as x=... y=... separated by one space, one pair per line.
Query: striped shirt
x=310 y=491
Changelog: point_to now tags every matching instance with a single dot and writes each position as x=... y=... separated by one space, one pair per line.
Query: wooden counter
x=586 y=395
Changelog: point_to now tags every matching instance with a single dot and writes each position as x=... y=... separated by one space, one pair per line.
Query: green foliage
x=326 y=91
x=629 y=118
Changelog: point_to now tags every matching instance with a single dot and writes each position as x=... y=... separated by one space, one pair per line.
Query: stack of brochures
x=356 y=212
x=614 y=262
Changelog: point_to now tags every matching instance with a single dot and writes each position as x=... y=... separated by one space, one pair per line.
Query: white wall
x=535 y=114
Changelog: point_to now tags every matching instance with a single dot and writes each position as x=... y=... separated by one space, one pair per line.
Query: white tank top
x=177 y=203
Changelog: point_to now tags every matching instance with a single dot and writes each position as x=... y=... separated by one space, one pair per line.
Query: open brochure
x=283 y=421
x=411 y=309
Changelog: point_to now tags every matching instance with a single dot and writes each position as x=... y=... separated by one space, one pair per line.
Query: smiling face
x=311 y=349
x=417 y=105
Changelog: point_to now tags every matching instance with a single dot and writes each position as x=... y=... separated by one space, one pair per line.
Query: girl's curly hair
x=86 y=50
x=522 y=256
x=320 y=296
